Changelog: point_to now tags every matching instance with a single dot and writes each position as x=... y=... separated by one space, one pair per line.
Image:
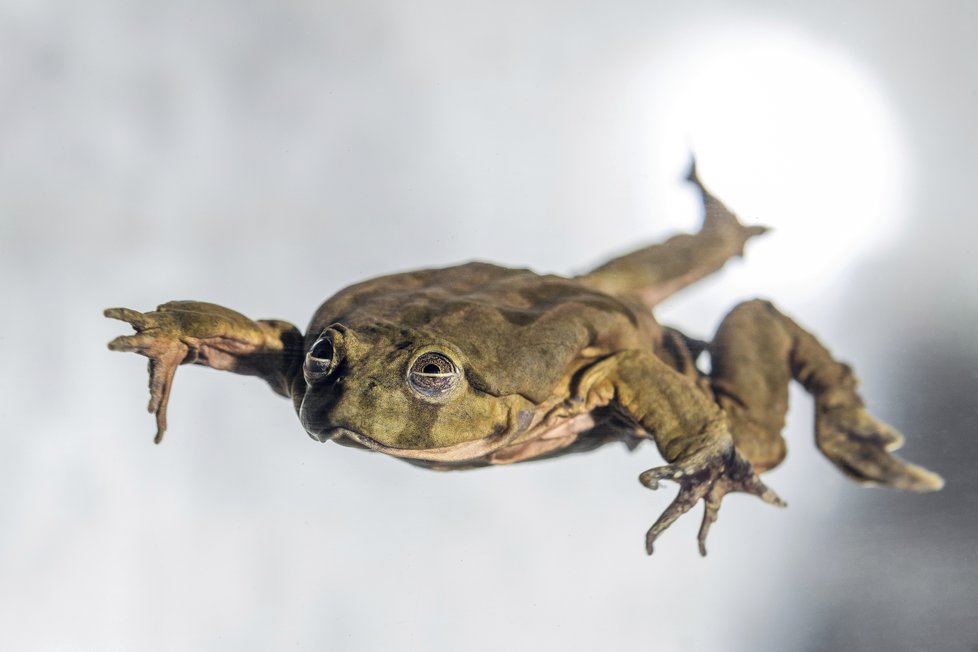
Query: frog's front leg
x=184 y=332
x=689 y=430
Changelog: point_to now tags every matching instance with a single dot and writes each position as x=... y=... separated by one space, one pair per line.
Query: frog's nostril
x=320 y=361
x=323 y=350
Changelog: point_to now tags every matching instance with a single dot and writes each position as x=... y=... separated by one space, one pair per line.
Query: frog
x=477 y=365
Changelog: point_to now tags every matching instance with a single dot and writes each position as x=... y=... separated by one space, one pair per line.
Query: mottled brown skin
x=477 y=365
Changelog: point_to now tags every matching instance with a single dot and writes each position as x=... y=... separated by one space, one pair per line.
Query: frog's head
x=401 y=392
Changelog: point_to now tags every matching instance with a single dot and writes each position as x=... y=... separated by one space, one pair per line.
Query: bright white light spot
x=790 y=133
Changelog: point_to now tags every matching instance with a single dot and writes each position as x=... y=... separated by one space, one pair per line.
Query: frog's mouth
x=465 y=451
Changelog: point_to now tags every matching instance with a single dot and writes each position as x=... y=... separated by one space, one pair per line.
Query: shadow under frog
x=477 y=365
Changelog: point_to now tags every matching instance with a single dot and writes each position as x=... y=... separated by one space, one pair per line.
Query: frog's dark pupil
x=433 y=375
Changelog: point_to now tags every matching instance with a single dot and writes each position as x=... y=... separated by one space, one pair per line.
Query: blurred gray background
x=263 y=155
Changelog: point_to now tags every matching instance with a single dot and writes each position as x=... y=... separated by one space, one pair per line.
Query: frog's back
x=522 y=332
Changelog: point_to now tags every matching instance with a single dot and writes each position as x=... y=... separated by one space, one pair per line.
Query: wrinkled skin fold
x=477 y=365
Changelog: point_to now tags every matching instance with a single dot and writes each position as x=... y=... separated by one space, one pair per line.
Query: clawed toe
x=711 y=511
x=710 y=481
x=772 y=498
x=711 y=503
x=651 y=477
x=685 y=501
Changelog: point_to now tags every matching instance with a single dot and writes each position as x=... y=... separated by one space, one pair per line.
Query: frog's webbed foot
x=720 y=220
x=708 y=476
x=859 y=445
x=158 y=340
x=183 y=332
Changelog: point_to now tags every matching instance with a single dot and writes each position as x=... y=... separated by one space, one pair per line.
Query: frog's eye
x=319 y=360
x=433 y=375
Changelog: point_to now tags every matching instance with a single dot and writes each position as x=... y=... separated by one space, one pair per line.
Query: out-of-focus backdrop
x=263 y=155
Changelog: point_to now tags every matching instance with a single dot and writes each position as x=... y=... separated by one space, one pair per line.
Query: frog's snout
x=316 y=424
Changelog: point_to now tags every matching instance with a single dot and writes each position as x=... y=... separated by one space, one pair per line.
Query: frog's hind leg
x=656 y=272
x=756 y=353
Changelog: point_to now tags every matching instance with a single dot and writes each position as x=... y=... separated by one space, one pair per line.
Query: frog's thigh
x=751 y=370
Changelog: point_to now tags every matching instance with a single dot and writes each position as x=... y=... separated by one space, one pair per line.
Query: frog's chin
x=468 y=450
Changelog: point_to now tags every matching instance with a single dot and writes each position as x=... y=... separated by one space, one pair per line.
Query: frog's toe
x=137 y=319
x=165 y=353
x=651 y=477
x=740 y=477
x=872 y=464
x=162 y=368
x=859 y=446
x=687 y=498
x=720 y=219
x=711 y=511
x=708 y=477
x=131 y=343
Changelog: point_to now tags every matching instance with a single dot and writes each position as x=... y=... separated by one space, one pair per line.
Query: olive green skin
x=529 y=366
x=518 y=338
